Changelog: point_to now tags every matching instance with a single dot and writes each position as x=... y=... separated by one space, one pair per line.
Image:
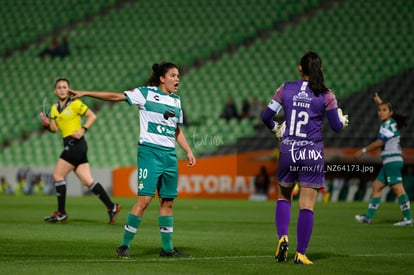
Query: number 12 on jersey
x=296 y=122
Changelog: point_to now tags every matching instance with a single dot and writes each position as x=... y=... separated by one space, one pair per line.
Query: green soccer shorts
x=390 y=173
x=157 y=170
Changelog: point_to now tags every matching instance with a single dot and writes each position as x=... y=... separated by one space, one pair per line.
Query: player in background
x=305 y=103
x=160 y=115
x=65 y=116
x=391 y=172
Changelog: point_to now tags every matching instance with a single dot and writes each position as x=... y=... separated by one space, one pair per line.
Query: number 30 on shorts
x=142 y=173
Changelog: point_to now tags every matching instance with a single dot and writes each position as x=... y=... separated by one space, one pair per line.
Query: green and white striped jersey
x=390 y=135
x=159 y=114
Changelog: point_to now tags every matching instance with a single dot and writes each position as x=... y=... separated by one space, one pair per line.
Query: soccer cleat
x=405 y=222
x=122 y=252
x=363 y=219
x=173 y=253
x=113 y=213
x=56 y=217
x=301 y=259
x=282 y=249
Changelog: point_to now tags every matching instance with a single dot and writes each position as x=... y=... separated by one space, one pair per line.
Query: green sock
x=404 y=202
x=166 y=224
x=130 y=229
x=372 y=207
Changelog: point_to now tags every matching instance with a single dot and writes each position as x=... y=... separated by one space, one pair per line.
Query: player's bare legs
x=62 y=169
x=377 y=187
x=398 y=189
x=140 y=205
x=307 y=198
x=166 y=207
x=83 y=172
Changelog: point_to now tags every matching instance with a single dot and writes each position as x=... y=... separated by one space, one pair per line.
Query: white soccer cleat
x=362 y=219
x=404 y=222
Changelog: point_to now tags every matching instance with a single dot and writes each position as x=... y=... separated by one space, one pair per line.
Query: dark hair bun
x=155 y=67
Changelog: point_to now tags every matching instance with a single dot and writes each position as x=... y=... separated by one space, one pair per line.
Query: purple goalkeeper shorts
x=301 y=162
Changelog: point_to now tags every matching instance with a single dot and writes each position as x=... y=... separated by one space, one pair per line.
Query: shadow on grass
x=324 y=256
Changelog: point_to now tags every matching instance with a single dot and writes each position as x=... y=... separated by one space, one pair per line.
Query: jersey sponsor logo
x=290 y=141
x=160 y=129
x=302 y=99
x=164 y=130
x=302 y=96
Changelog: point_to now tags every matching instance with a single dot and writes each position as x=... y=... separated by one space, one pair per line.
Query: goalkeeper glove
x=343 y=118
x=45 y=119
x=279 y=129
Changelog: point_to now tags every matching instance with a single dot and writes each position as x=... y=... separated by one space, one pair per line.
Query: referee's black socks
x=61 y=195
x=100 y=192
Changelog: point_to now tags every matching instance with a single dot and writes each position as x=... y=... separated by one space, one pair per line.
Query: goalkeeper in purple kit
x=305 y=103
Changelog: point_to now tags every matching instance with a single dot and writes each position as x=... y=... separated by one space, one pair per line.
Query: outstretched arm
x=372 y=146
x=107 y=96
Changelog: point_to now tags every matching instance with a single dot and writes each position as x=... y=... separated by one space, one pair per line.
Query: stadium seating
x=242 y=49
x=24 y=22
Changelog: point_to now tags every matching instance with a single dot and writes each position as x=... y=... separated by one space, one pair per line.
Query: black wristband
x=84 y=128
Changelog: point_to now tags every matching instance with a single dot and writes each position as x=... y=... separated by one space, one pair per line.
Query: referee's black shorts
x=75 y=151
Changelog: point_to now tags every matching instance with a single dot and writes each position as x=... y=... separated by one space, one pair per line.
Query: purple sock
x=282 y=217
x=304 y=230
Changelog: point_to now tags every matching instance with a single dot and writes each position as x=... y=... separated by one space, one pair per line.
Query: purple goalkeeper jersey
x=301 y=152
x=304 y=112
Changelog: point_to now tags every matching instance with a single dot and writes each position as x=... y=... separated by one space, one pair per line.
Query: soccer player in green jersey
x=390 y=174
x=160 y=114
x=65 y=116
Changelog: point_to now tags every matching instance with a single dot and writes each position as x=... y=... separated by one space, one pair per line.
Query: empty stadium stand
x=242 y=49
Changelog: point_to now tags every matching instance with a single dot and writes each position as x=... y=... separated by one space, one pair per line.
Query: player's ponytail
x=312 y=67
x=401 y=119
x=159 y=70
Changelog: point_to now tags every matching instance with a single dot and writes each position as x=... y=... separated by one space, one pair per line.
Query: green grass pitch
x=224 y=237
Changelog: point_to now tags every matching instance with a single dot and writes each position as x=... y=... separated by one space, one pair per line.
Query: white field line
x=179 y=259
